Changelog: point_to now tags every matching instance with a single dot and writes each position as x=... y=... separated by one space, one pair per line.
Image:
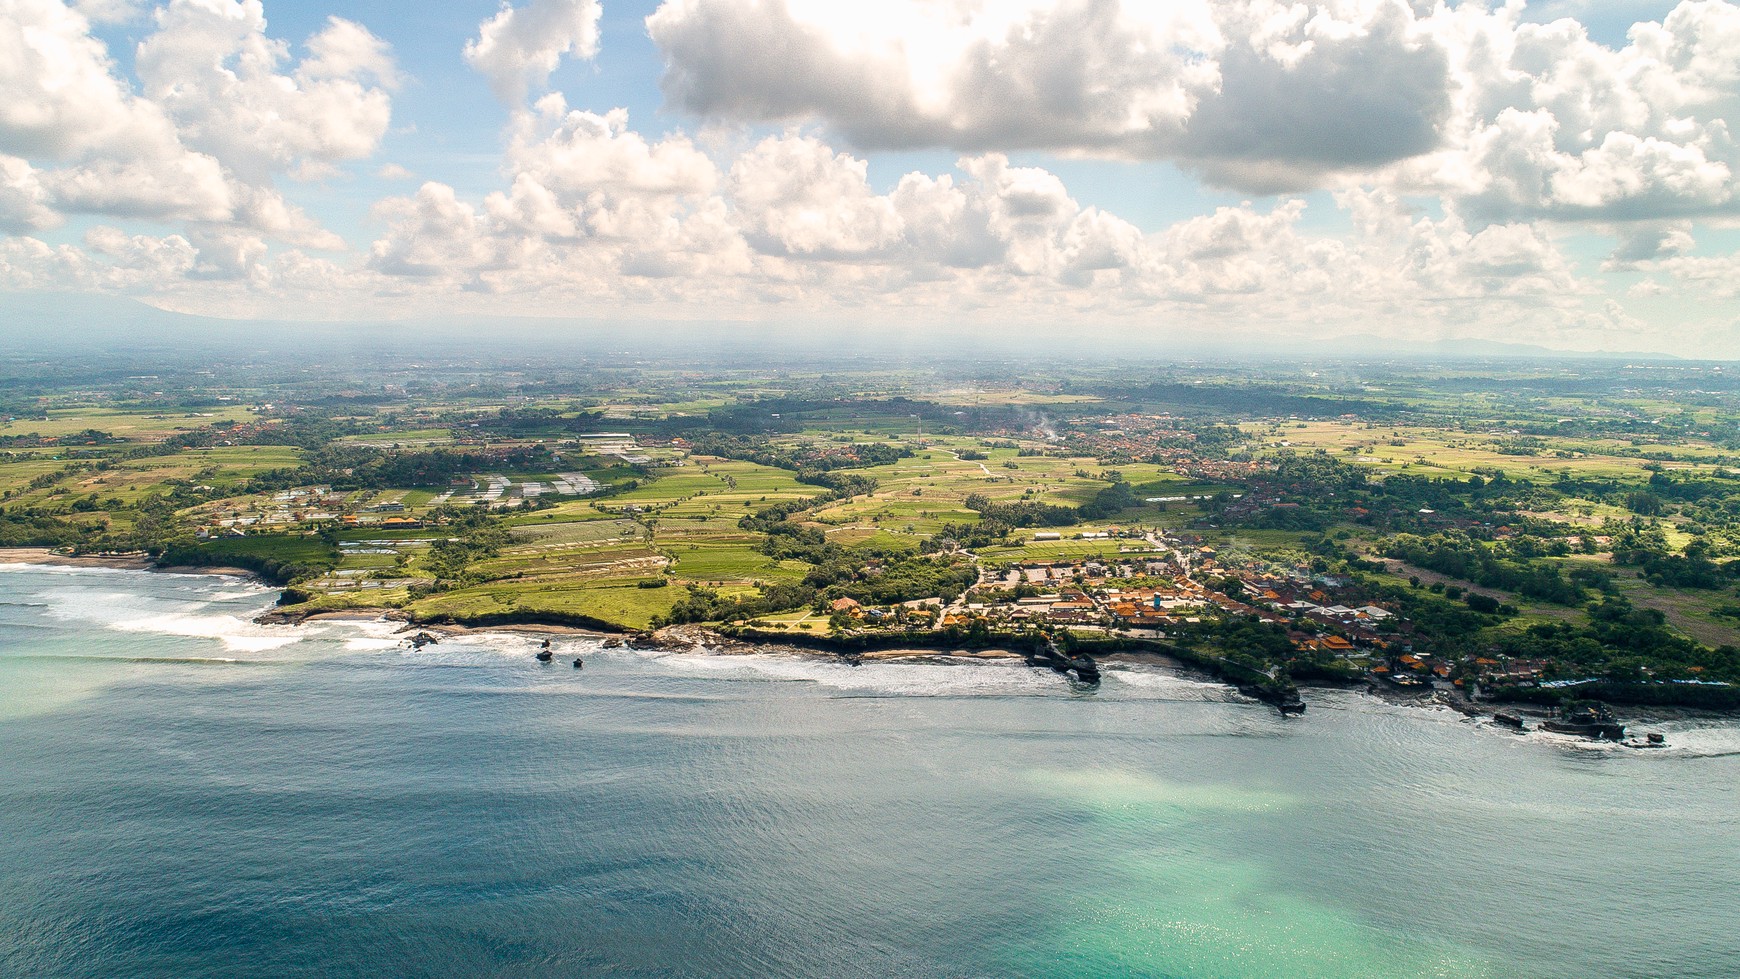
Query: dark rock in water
x=422 y=639
x=1509 y=720
x=1587 y=720
x=1278 y=692
x=612 y=643
x=544 y=656
x=660 y=641
x=1049 y=656
x=579 y=663
x=1086 y=670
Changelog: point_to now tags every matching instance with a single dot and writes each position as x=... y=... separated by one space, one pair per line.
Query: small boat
x=544 y=655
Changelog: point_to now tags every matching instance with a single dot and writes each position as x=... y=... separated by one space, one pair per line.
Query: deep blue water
x=185 y=794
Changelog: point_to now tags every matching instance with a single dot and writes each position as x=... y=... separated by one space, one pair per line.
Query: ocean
x=184 y=793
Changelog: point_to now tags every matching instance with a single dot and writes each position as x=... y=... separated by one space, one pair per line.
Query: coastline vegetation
x=1535 y=529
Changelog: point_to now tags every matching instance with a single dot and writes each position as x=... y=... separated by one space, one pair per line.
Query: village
x=1180 y=590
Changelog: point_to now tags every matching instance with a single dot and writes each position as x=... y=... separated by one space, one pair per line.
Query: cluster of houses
x=1169 y=591
x=312 y=504
x=1135 y=437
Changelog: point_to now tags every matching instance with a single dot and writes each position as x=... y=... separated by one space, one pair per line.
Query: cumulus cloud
x=212 y=68
x=23 y=199
x=520 y=47
x=1717 y=276
x=1253 y=94
x=169 y=185
x=61 y=97
x=594 y=213
x=1644 y=242
x=1511 y=119
x=799 y=197
x=163 y=258
x=221 y=110
x=1548 y=123
x=574 y=151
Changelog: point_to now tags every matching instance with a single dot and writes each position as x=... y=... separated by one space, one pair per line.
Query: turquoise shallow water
x=183 y=793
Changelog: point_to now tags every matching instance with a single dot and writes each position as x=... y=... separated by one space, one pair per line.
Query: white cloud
x=212 y=68
x=1513 y=119
x=224 y=109
x=170 y=186
x=1549 y=123
x=799 y=197
x=23 y=199
x=59 y=98
x=1714 y=275
x=1255 y=94
x=228 y=254
x=160 y=258
x=107 y=11
x=435 y=233
x=595 y=214
x=576 y=153
x=520 y=47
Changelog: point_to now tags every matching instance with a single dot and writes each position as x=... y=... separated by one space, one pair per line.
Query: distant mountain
x=1475 y=349
x=47 y=323
x=41 y=322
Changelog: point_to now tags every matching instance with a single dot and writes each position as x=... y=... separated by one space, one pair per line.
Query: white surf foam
x=1160 y=684
x=234 y=596
x=875 y=678
x=236 y=634
x=1709 y=741
x=64 y=569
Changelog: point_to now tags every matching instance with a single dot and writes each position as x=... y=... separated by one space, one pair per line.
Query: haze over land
x=1253 y=174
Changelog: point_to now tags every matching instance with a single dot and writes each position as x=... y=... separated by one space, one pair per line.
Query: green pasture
x=561 y=534
x=144 y=426
x=602 y=560
x=623 y=603
x=1440 y=452
x=701 y=561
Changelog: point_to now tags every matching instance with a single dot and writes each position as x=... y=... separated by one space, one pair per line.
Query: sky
x=1555 y=173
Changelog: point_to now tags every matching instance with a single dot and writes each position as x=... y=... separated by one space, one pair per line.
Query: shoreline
x=702 y=640
x=707 y=641
x=48 y=557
